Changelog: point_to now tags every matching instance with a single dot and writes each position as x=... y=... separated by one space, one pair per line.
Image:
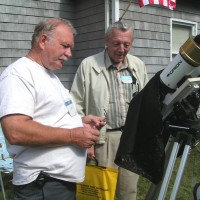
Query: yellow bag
x=99 y=184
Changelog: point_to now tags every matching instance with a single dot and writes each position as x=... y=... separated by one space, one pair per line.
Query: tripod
x=186 y=137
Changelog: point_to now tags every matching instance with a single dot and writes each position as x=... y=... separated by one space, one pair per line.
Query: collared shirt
x=91 y=85
x=122 y=87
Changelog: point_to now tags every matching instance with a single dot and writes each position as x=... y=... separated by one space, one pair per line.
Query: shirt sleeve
x=16 y=96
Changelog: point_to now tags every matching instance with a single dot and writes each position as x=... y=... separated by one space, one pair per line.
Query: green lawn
x=190 y=178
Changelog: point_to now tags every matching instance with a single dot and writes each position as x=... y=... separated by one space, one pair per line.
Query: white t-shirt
x=30 y=89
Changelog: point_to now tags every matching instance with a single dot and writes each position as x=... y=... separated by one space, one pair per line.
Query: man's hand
x=94 y=121
x=84 y=137
x=90 y=153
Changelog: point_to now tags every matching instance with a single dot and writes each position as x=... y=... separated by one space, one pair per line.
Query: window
x=181 y=30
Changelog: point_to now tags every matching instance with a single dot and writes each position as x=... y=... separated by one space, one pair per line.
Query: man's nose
x=121 y=47
x=68 y=52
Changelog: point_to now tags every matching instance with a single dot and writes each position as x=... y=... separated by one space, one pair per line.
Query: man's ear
x=43 y=40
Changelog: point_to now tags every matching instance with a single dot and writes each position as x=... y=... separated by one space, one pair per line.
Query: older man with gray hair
x=104 y=84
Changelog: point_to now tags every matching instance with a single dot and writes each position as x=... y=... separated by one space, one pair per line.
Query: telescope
x=162 y=122
x=180 y=74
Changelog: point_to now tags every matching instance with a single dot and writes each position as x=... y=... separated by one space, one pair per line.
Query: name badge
x=70 y=106
x=126 y=79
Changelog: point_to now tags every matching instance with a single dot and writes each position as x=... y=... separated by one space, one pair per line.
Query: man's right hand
x=84 y=137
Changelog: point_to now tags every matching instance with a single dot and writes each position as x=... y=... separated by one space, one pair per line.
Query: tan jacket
x=90 y=88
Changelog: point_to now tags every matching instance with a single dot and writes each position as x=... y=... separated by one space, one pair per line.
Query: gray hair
x=48 y=26
x=118 y=25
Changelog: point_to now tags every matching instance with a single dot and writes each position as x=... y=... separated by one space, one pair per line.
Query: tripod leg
x=154 y=189
x=180 y=172
x=168 y=172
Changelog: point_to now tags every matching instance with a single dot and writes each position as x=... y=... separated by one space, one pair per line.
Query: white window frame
x=191 y=24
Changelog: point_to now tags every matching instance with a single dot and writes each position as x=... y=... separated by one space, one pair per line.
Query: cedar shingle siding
x=151 y=24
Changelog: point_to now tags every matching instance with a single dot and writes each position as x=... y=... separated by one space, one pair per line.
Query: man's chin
x=119 y=61
x=57 y=67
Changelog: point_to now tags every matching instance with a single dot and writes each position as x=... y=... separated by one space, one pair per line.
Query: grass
x=190 y=177
x=7 y=179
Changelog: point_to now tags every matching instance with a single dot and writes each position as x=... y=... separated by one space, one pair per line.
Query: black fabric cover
x=141 y=148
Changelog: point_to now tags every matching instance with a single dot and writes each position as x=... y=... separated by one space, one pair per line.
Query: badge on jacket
x=126 y=79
